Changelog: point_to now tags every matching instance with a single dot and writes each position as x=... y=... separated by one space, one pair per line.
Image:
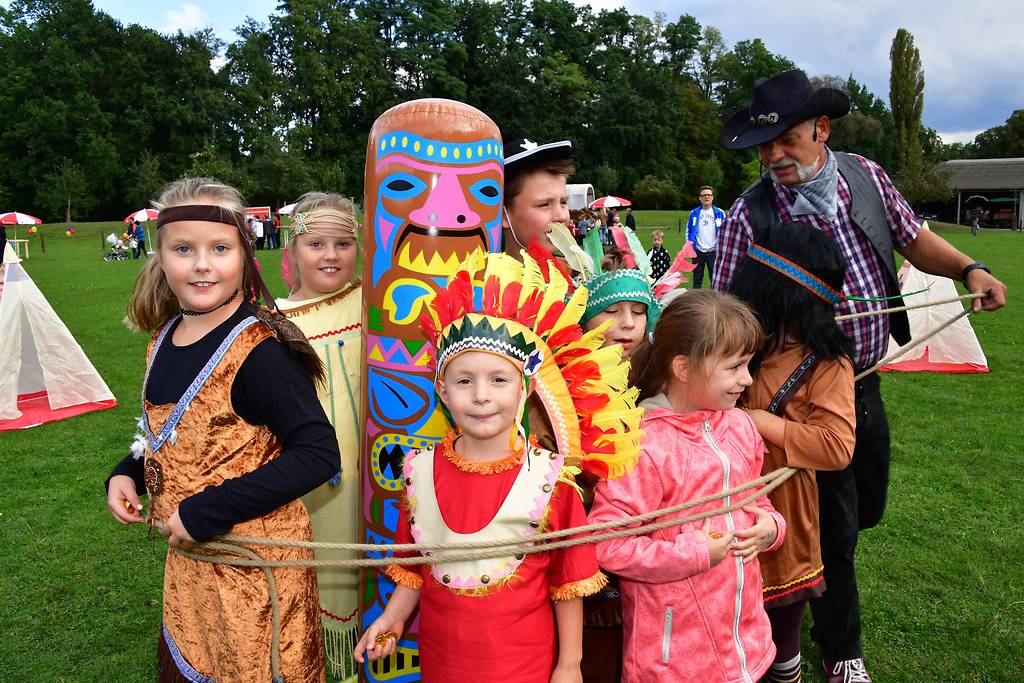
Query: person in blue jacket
x=139 y=233
x=702 y=230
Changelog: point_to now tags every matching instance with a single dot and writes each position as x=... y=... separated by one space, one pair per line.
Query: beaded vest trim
x=156 y=441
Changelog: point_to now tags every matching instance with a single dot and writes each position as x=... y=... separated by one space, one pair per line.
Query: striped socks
x=784 y=672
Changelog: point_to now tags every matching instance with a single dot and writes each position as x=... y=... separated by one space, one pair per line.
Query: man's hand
x=980 y=282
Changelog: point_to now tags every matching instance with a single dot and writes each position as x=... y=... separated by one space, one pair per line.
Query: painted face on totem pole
x=438 y=200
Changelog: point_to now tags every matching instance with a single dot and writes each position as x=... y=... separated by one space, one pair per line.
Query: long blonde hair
x=311 y=201
x=153 y=303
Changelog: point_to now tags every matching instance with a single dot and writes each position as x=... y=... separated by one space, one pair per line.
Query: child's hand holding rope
x=754 y=539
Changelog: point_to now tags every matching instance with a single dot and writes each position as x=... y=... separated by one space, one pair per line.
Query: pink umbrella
x=142 y=215
x=15 y=218
x=609 y=202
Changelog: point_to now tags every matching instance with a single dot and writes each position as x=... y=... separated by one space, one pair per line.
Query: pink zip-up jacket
x=685 y=620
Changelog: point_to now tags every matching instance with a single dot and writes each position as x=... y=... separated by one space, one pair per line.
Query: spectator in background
x=257 y=232
x=659 y=256
x=138 y=233
x=702 y=230
x=630 y=220
x=270 y=232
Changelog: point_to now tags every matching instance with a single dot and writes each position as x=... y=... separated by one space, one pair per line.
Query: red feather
x=587 y=405
x=619 y=235
x=527 y=313
x=579 y=375
x=598 y=468
x=429 y=330
x=590 y=443
x=550 y=318
x=545 y=260
x=491 y=297
x=510 y=300
x=566 y=335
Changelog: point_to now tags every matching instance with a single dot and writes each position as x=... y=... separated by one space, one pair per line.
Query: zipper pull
x=666 y=639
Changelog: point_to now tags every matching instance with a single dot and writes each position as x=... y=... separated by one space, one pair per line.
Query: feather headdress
x=496 y=304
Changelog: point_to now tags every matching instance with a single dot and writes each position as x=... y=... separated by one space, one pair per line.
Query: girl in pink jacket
x=691 y=594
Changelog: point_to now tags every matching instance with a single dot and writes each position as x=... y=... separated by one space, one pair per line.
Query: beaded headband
x=625 y=284
x=324 y=222
x=797 y=273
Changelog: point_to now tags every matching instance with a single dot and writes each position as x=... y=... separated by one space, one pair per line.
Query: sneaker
x=847 y=671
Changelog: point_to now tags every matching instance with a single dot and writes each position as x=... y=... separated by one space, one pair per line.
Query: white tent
x=956 y=348
x=44 y=374
x=580 y=195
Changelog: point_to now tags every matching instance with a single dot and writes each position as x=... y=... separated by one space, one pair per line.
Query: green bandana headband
x=620 y=285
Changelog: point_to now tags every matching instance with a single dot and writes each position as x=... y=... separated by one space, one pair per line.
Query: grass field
x=942 y=582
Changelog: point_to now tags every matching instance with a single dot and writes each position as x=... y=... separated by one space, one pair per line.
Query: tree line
x=99 y=115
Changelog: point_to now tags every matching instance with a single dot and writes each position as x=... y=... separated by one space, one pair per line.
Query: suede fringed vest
x=217 y=618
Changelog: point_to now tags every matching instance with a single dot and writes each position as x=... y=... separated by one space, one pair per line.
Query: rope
x=539 y=538
x=912 y=345
x=275 y=608
x=503 y=551
x=909 y=307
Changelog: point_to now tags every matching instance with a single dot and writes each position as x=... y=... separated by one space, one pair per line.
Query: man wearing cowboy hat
x=853 y=200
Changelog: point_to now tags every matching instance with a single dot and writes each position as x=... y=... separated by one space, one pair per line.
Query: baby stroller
x=118 y=250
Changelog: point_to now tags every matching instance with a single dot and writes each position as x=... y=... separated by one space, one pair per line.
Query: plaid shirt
x=865 y=273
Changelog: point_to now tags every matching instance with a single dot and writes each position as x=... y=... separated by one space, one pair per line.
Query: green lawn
x=942 y=582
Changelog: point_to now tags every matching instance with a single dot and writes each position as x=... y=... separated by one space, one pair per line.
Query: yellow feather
x=504 y=267
x=554 y=293
x=533 y=280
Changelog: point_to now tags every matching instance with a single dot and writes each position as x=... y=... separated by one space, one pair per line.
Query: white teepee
x=44 y=374
x=956 y=348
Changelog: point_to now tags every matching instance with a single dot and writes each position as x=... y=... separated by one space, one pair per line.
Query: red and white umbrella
x=142 y=215
x=16 y=218
x=609 y=202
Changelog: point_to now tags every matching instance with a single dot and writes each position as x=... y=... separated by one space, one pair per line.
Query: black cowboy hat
x=523 y=152
x=779 y=103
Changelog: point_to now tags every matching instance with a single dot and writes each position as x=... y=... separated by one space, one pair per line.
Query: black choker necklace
x=187 y=311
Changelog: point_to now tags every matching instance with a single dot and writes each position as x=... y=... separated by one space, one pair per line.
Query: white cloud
x=970 y=52
x=187 y=19
x=963 y=136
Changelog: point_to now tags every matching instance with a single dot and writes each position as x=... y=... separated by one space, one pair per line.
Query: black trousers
x=850 y=500
x=704 y=258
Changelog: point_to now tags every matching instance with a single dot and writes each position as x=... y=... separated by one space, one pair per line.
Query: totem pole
x=433 y=189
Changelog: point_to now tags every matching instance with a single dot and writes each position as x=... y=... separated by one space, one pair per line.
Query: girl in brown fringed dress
x=802 y=402
x=234 y=435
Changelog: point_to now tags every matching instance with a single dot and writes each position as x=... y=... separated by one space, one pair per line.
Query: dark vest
x=867 y=211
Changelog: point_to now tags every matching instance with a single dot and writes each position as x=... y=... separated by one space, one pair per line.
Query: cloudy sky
x=971 y=51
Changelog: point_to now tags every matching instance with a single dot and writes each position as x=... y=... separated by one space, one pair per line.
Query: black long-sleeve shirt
x=271 y=389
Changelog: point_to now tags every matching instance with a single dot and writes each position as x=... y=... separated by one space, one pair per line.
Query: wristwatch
x=974 y=266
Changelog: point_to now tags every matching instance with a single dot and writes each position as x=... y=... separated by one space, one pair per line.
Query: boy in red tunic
x=517 y=617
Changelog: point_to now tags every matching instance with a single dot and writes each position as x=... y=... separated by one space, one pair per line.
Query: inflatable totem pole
x=434 y=176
